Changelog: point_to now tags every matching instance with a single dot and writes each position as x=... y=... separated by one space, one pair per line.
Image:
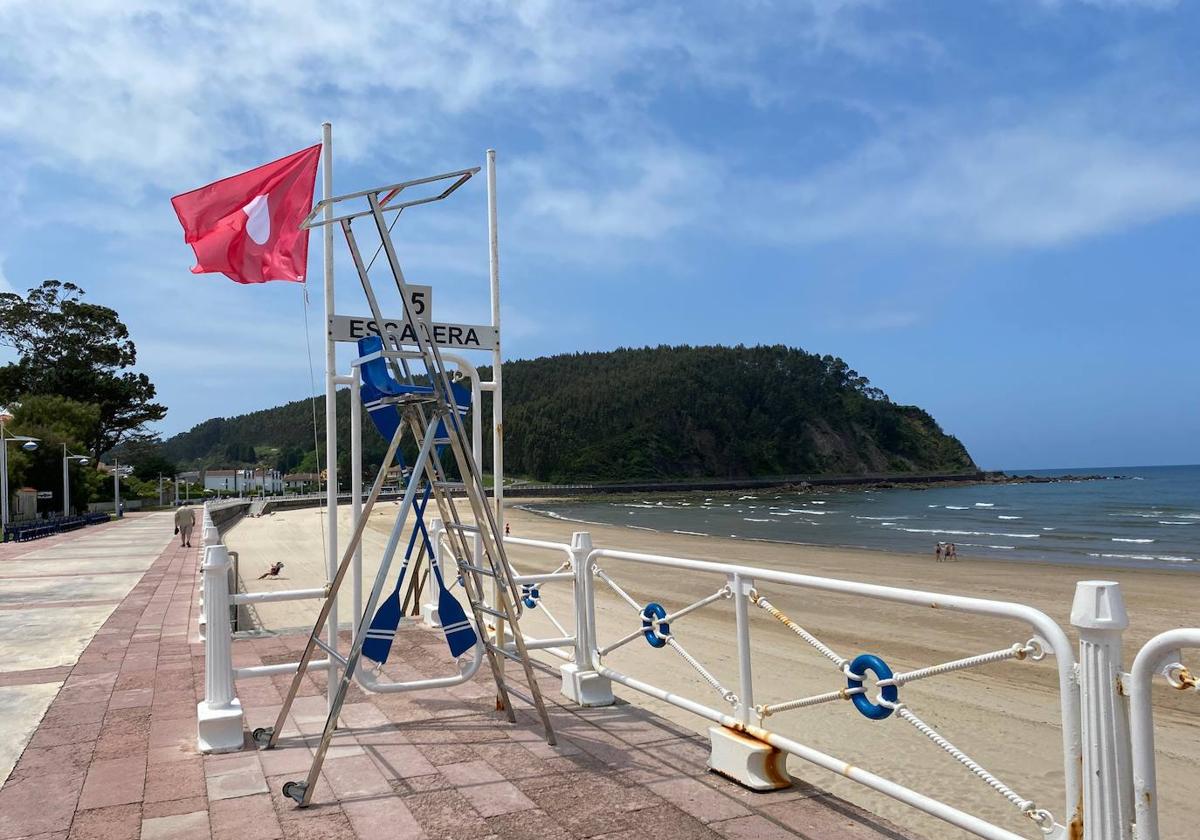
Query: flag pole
x=331 y=483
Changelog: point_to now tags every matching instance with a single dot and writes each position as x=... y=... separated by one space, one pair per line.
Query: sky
x=988 y=208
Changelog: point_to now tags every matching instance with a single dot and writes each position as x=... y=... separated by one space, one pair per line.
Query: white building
x=249 y=481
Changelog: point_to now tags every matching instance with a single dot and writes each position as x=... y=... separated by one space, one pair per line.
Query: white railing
x=1100 y=758
x=1163 y=656
x=741 y=714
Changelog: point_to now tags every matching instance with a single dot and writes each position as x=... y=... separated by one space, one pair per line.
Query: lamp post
x=29 y=444
x=117 y=472
x=68 y=457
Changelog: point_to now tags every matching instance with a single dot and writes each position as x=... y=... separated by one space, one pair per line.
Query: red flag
x=247 y=226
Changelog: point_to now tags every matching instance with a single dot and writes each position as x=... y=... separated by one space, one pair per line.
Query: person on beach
x=185 y=520
x=952 y=552
x=274 y=571
x=937 y=553
x=507 y=531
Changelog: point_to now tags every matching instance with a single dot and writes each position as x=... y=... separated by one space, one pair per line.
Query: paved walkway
x=115 y=755
x=55 y=593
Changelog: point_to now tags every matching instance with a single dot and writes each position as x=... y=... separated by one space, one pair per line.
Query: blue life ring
x=870 y=662
x=649 y=613
x=531 y=595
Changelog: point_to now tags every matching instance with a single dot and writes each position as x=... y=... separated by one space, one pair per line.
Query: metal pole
x=1098 y=613
x=356 y=492
x=331 y=549
x=66 y=485
x=741 y=592
x=3 y=479
x=498 y=391
x=116 y=488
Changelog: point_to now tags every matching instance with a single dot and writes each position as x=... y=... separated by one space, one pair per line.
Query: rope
x=725 y=693
x=1017 y=651
x=803 y=702
x=1040 y=816
x=612 y=584
x=723 y=592
x=799 y=631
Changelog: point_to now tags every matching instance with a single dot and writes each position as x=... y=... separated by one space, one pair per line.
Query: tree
x=55 y=421
x=78 y=350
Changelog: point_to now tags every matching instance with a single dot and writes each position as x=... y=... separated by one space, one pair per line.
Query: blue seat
x=378 y=385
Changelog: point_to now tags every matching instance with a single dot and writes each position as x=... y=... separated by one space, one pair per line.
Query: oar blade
x=460 y=635
x=379 y=637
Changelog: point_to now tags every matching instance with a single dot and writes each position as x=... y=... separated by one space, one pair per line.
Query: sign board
x=449 y=336
x=45 y=494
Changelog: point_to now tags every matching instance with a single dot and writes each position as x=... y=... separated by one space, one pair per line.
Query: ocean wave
x=1166 y=558
x=1001 y=516
x=640 y=528
x=748 y=519
x=933 y=506
x=979 y=545
x=1128 y=540
x=1049 y=528
x=985 y=504
x=1169 y=522
x=691 y=533
x=957 y=507
x=743 y=498
x=970 y=533
x=887 y=523
x=874 y=518
x=813 y=512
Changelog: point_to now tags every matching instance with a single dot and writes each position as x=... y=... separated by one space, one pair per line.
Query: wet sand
x=1004 y=715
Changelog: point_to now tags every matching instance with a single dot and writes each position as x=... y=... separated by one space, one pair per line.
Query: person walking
x=185 y=520
x=937 y=553
x=952 y=553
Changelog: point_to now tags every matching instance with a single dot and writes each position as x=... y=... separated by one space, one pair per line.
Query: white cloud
x=1041 y=179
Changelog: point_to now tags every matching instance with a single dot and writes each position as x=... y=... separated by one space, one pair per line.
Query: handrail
x=1155 y=657
x=1049 y=635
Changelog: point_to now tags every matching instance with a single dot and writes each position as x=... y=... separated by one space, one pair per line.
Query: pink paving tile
x=486 y=789
x=245 y=818
x=38 y=805
x=752 y=827
x=176 y=780
x=397 y=760
x=355 y=777
x=193 y=826
x=382 y=817
x=235 y=779
x=171 y=807
x=116 y=822
x=115 y=781
x=701 y=801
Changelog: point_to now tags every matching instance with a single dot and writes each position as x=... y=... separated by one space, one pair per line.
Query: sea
x=1135 y=517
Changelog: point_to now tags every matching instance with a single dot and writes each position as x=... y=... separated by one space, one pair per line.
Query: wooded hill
x=654 y=413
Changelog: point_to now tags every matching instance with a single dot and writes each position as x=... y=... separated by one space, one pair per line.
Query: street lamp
x=29 y=444
x=83 y=461
x=117 y=472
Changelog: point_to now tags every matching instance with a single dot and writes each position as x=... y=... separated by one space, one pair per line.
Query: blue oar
x=382 y=632
x=460 y=635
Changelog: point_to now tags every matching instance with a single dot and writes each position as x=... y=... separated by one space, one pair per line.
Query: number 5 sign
x=420 y=301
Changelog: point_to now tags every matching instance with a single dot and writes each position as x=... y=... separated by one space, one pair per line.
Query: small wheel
x=262 y=735
x=295 y=790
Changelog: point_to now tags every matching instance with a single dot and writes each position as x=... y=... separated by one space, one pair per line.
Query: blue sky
x=989 y=208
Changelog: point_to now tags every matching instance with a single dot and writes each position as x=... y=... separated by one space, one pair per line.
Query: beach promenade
x=104 y=670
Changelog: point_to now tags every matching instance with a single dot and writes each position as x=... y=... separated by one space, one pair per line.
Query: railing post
x=219 y=714
x=580 y=683
x=429 y=610
x=741 y=592
x=1098 y=613
x=738 y=755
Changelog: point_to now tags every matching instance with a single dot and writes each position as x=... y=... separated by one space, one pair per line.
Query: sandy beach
x=1005 y=715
